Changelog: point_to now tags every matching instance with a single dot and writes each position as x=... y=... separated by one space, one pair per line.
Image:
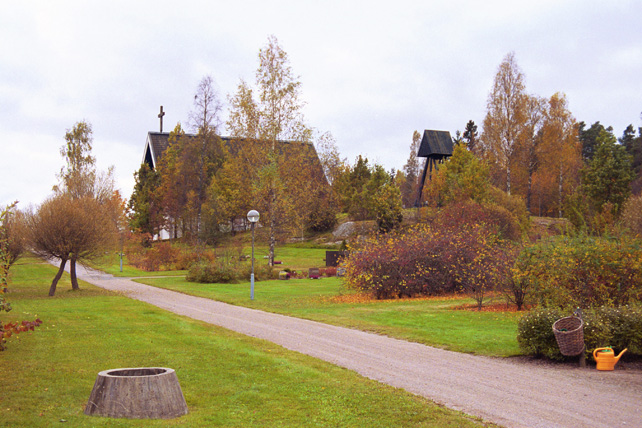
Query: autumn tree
x=560 y=152
x=188 y=164
x=504 y=121
x=329 y=156
x=462 y=177
x=83 y=217
x=530 y=140
x=369 y=192
x=78 y=175
x=69 y=228
x=387 y=206
x=11 y=241
x=264 y=122
x=349 y=186
x=205 y=152
x=173 y=188
x=229 y=193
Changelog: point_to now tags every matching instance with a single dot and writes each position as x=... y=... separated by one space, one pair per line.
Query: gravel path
x=502 y=391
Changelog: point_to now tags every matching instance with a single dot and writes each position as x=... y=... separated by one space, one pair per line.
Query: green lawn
x=110 y=263
x=292 y=257
x=228 y=379
x=429 y=321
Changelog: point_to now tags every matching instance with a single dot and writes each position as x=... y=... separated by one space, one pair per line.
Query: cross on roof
x=160 y=116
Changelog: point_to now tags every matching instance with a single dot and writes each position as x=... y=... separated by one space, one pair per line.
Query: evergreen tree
x=588 y=138
x=145 y=211
x=412 y=171
x=471 y=136
x=607 y=177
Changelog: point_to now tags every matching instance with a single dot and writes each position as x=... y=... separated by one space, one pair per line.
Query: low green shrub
x=583 y=271
x=535 y=333
x=210 y=273
x=625 y=327
x=223 y=271
x=618 y=328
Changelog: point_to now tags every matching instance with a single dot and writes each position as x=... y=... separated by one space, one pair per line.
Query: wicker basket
x=569 y=333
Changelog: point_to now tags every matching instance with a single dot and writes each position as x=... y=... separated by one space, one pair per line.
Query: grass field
x=228 y=379
x=292 y=257
x=429 y=321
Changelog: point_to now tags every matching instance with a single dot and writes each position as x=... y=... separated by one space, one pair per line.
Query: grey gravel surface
x=504 y=391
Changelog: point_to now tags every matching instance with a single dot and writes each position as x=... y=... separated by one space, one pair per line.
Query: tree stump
x=137 y=393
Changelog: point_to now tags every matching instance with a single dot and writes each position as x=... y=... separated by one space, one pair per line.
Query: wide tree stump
x=137 y=393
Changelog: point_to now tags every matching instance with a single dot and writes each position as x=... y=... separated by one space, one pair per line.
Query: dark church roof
x=436 y=144
x=157 y=143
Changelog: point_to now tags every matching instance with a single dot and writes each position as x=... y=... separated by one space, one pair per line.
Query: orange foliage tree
x=558 y=174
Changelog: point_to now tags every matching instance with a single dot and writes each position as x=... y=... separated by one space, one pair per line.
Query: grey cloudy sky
x=372 y=71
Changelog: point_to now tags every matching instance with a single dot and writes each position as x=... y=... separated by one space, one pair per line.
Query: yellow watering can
x=605 y=358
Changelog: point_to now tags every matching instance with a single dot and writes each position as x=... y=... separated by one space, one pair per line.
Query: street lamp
x=253 y=217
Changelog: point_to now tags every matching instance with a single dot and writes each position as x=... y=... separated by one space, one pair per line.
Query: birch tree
x=535 y=110
x=275 y=115
x=505 y=118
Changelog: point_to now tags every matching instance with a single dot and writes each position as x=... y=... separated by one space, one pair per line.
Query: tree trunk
x=559 y=196
x=272 y=242
x=52 y=289
x=72 y=272
x=508 y=177
x=529 y=191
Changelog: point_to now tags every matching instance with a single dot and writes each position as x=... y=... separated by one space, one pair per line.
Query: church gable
x=155 y=146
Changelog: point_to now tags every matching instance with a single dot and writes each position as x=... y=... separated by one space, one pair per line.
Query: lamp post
x=253 y=217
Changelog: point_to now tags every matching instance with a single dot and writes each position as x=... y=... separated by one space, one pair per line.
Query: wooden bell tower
x=436 y=146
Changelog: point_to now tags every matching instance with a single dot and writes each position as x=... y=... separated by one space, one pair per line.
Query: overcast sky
x=372 y=71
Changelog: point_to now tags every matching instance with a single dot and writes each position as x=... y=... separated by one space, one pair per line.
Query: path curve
x=498 y=390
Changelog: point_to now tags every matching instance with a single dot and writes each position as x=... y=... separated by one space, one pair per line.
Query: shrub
x=399 y=265
x=619 y=328
x=323 y=214
x=429 y=261
x=209 y=273
x=148 y=255
x=519 y=288
x=535 y=333
x=514 y=204
x=632 y=215
x=224 y=271
x=262 y=272
x=478 y=261
x=585 y=272
x=624 y=327
x=497 y=218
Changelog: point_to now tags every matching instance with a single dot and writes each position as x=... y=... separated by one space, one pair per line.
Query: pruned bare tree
x=70 y=229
